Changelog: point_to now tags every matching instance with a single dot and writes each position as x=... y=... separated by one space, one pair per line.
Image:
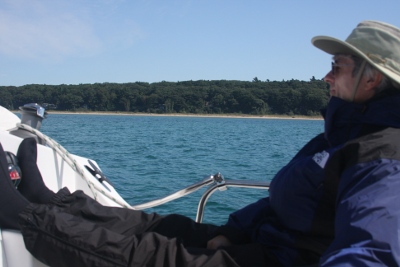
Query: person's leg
x=119 y=220
x=59 y=237
x=11 y=201
x=77 y=230
x=157 y=250
x=190 y=233
x=32 y=186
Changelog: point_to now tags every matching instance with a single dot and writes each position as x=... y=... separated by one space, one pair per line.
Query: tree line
x=291 y=97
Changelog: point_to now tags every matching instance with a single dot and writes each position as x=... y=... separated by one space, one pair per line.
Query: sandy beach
x=246 y=116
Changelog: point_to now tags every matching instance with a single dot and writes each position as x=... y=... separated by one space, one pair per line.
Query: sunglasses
x=336 y=67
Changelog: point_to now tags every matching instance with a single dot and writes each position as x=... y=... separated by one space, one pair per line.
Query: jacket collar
x=344 y=120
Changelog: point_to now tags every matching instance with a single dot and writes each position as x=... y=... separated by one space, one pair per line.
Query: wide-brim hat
x=376 y=42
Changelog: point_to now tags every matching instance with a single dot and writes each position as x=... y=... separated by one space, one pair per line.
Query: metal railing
x=217 y=182
x=223 y=186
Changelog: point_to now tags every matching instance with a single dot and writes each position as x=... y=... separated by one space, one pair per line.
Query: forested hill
x=292 y=97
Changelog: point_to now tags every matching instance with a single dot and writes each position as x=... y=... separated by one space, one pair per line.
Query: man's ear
x=374 y=81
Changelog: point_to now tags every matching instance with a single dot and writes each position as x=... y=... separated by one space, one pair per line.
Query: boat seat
x=14 y=252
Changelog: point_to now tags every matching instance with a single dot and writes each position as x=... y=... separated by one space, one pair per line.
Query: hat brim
x=335 y=46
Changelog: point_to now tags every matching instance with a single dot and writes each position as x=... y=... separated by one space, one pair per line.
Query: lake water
x=148 y=157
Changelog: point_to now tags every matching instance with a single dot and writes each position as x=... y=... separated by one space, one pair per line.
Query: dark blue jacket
x=338 y=199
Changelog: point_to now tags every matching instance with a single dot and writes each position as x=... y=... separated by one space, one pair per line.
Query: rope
x=66 y=156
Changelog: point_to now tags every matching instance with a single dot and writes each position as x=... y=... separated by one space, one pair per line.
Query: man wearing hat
x=336 y=203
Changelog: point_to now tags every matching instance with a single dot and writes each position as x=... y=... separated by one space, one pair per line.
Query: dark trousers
x=75 y=230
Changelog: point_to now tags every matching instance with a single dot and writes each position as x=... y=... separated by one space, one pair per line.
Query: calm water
x=148 y=157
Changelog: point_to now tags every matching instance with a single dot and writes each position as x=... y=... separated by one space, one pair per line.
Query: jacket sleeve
x=242 y=223
x=367 y=220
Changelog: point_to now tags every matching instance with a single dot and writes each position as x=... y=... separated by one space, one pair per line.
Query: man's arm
x=367 y=216
x=241 y=224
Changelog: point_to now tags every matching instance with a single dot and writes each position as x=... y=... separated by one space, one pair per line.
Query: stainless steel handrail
x=223 y=186
x=219 y=183
x=188 y=190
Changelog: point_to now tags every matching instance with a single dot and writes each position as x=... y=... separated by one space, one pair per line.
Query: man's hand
x=218 y=241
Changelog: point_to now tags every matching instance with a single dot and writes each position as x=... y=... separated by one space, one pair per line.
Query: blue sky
x=88 y=41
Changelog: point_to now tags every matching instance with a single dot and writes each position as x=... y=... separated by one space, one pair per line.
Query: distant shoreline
x=244 y=116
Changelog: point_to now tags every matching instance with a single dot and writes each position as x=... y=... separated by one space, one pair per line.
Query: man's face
x=342 y=81
x=340 y=78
